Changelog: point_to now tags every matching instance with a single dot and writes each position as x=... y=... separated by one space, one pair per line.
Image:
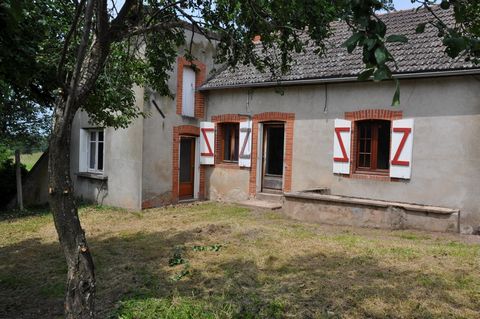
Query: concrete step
x=269 y=197
x=260 y=204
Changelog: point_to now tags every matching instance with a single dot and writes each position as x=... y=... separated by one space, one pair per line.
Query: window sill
x=371 y=176
x=374 y=173
x=90 y=175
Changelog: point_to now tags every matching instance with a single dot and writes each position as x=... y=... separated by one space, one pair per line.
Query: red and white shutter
x=341 y=146
x=401 y=150
x=207 y=143
x=245 y=144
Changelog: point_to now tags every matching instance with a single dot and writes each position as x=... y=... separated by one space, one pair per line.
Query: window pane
x=100 y=136
x=227 y=141
x=186 y=160
x=383 y=152
x=93 y=153
x=93 y=136
x=100 y=156
x=231 y=137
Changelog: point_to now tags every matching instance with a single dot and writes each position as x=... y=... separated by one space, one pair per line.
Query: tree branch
x=68 y=38
x=72 y=92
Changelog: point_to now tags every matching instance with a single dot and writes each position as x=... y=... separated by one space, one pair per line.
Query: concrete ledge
x=99 y=177
x=361 y=212
x=371 y=202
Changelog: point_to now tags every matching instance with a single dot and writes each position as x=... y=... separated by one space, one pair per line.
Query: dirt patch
x=213 y=229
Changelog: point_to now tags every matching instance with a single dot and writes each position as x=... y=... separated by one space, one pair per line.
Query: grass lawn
x=222 y=261
x=29 y=159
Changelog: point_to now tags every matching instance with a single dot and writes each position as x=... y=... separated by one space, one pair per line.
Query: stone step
x=260 y=204
x=270 y=197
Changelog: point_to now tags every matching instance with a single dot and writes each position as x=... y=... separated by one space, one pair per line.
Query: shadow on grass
x=134 y=277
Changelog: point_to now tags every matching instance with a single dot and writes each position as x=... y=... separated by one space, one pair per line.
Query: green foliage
x=26 y=82
x=142 y=50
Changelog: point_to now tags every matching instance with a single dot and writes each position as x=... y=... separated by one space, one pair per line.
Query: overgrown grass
x=222 y=261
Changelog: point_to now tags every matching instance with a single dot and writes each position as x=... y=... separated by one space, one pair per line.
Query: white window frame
x=97 y=142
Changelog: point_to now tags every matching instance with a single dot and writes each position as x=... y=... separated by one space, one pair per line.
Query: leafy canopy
x=41 y=38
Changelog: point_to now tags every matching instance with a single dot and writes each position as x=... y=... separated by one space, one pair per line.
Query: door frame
x=289 y=120
x=261 y=153
x=264 y=153
x=196 y=170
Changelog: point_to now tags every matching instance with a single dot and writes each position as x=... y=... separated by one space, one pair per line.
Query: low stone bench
x=362 y=212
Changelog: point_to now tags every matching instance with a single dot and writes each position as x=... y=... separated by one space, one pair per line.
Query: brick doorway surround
x=288 y=119
x=178 y=131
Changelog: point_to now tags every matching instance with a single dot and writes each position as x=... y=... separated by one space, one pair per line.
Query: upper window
x=373 y=146
x=230 y=137
x=95 y=151
x=188 y=92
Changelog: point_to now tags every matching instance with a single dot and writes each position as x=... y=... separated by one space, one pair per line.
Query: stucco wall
x=138 y=160
x=446 y=152
x=226 y=184
x=157 y=148
x=122 y=163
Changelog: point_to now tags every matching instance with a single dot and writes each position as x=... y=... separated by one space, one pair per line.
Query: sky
x=399 y=4
x=404 y=4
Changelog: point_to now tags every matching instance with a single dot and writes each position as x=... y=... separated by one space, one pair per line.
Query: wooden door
x=273 y=150
x=187 y=167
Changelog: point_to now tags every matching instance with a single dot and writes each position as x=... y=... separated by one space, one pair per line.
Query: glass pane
x=186 y=160
x=367 y=161
x=100 y=156
x=93 y=136
x=93 y=152
x=368 y=146
x=231 y=136
x=228 y=141
x=100 y=136
x=361 y=160
x=383 y=157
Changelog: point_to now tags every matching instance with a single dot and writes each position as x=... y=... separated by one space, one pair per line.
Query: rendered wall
x=158 y=131
x=122 y=163
x=138 y=160
x=446 y=152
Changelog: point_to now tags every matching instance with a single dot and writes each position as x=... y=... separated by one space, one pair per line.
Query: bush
x=8 y=186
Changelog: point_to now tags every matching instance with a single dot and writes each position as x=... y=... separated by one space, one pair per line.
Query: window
x=95 y=150
x=230 y=137
x=188 y=92
x=373 y=146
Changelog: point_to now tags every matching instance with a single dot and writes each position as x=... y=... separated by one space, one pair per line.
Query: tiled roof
x=423 y=53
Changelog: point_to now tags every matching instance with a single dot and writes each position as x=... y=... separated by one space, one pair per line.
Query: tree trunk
x=80 y=290
x=18 y=173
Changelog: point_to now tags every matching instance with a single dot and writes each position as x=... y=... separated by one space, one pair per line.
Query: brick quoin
x=178 y=132
x=369 y=114
x=200 y=75
x=288 y=119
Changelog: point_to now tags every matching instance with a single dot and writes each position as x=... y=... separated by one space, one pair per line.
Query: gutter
x=341 y=79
